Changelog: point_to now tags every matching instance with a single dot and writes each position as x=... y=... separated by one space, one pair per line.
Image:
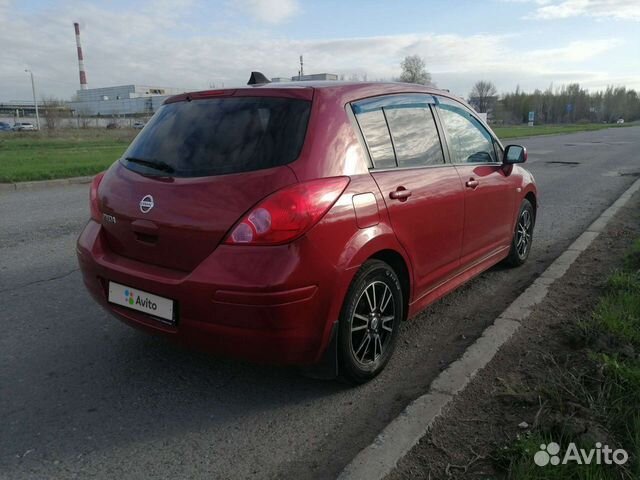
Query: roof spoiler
x=257 y=78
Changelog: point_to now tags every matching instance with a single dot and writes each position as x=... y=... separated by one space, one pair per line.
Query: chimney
x=83 y=75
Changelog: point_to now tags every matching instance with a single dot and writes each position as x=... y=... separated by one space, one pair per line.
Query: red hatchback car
x=300 y=223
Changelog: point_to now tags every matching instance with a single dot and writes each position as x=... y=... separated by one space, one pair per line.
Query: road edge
x=378 y=459
x=507 y=140
x=11 y=187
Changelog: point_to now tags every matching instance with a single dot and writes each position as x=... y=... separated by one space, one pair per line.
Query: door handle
x=401 y=194
x=472 y=183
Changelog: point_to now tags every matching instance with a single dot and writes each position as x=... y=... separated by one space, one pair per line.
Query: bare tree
x=83 y=117
x=414 y=70
x=482 y=94
x=357 y=77
x=52 y=111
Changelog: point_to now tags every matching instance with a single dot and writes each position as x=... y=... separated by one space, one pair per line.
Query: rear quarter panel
x=332 y=147
x=341 y=243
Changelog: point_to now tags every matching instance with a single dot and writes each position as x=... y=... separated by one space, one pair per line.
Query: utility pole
x=301 y=67
x=35 y=101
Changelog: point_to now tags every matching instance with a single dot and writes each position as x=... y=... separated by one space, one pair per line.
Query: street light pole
x=35 y=101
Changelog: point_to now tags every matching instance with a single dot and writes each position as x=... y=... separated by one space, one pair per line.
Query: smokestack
x=83 y=75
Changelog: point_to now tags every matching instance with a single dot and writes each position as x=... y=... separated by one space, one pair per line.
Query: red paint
x=288 y=213
x=366 y=209
x=278 y=302
x=488 y=209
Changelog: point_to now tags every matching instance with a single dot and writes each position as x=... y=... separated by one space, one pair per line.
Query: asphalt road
x=84 y=396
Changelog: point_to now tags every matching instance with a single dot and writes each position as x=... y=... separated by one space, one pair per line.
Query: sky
x=197 y=44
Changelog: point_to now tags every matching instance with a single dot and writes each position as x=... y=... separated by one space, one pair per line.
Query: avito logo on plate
x=124 y=295
x=146 y=302
x=128 y=294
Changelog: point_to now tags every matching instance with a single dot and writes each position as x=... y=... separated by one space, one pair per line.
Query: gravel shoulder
x=497 y=407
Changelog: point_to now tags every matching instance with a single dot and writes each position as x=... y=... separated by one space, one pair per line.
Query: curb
x=379 y=459
x=11 y=187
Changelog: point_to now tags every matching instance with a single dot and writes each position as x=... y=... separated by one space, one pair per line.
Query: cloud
x=618 y=9
x=4 y=8
x=271 y=11
x=576 y=51
x=167 y=47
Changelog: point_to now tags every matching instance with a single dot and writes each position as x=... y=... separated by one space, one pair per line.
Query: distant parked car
x=5 y=127
x=23 y=127
x=620 y=121
x=138 y=125
x=112 y=125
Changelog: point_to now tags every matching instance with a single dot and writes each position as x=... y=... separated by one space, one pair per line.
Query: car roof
x=345 y=85
x=348 y=91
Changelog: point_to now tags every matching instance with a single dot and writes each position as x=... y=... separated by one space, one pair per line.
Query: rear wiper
x=155 y=164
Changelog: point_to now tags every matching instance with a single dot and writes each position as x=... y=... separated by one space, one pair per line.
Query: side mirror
x=514 y=154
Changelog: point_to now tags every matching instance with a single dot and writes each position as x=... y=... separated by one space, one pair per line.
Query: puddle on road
x=615 y=173
x=558 y=162
x=596 y=143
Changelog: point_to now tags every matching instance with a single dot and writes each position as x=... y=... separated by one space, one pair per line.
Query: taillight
x=288 y=213
x=93 y=197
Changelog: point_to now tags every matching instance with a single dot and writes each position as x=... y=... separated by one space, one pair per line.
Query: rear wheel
x=369 y=322
x=523 y=235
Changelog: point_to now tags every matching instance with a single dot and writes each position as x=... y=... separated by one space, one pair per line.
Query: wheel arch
x=531 y=196
x=327 y=366
x=396 y=261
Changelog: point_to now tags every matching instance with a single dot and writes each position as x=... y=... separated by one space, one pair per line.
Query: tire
x=524 y=229
x=368 y=327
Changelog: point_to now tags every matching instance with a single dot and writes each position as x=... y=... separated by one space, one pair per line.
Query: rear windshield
x=219 y=136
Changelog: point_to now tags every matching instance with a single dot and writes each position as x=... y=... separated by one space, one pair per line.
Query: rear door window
x=376 y=135
x=220 y=136
x=400 y=130
x=415 y=136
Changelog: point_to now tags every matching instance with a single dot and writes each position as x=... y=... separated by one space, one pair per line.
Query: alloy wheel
x=372 y=323
x=523 y=234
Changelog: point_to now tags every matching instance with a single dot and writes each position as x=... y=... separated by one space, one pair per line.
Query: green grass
x=526 y=131
x=618 y=313
x=70 y=153
x=38 y=156
x=606 y=384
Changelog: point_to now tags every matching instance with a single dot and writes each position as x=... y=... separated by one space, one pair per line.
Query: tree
x=52 y=110
x=83 y=117
x=482 y=95
x=358 y=77
x=414 y=70
x=569 y=103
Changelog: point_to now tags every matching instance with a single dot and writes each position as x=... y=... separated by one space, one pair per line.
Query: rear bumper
x=241 y=301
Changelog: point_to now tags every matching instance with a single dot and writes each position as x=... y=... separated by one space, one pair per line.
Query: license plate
x=141 y=301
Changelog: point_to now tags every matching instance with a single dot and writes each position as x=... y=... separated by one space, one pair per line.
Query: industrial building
x=306 y=78
x=123 y=100
x=138 y=100
x=301 y=77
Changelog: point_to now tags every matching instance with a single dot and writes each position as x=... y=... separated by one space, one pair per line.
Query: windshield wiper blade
x=155 y=164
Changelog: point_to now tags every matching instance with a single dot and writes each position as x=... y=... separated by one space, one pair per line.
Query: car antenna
x=257 y=78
